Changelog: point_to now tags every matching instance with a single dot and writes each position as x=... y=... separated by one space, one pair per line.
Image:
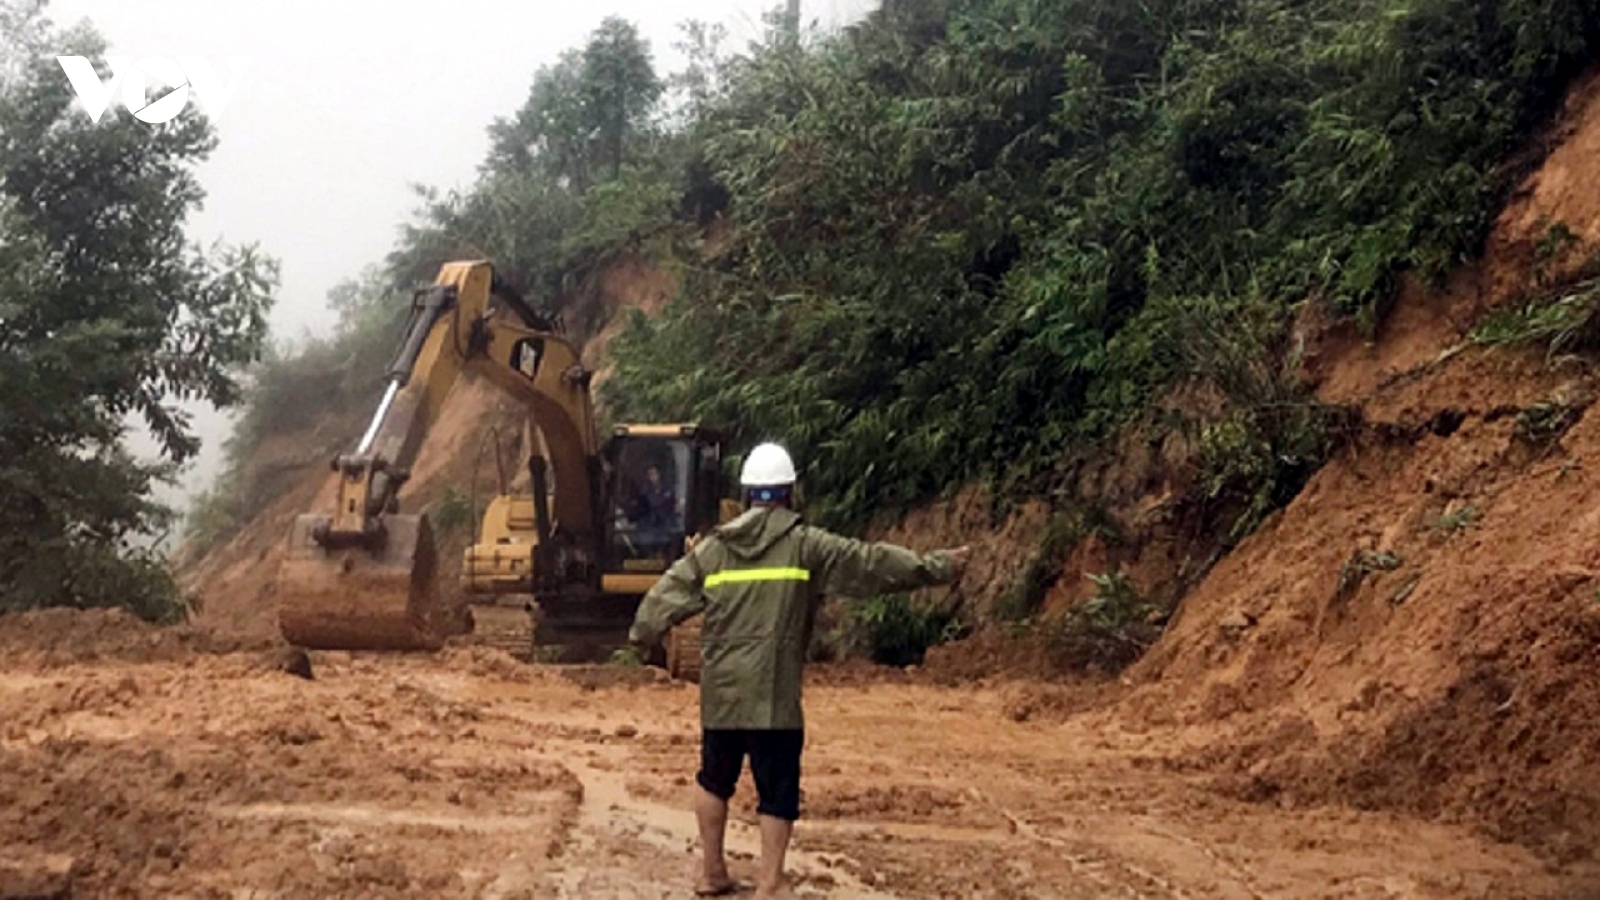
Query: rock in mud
x=1236 y=623
x=293 y=660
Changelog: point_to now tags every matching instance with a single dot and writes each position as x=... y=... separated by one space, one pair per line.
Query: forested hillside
x=967 y=240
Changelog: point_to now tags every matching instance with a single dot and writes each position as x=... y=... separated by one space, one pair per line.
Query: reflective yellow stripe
x=775 y=574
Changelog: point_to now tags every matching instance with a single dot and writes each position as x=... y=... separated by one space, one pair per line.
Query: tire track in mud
x=467 y=776
x=900 y=806
x=654 y=847
x=623 y=839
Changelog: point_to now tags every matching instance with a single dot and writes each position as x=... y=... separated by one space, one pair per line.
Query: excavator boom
x=363 y=576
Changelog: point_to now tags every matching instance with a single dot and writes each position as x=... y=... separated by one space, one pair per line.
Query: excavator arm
x=363 y=576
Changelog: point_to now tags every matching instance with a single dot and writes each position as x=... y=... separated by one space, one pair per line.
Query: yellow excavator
x=600 y=522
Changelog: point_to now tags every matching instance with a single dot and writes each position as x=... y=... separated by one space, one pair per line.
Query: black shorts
x=774 y=761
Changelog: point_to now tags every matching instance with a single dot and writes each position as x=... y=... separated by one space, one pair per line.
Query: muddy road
x=468 y=774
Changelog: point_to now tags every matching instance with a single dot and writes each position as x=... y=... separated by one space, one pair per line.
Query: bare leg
x=775 y=835
x=712 y=813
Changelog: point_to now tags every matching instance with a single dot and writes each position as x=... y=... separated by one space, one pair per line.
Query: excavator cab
x=665 y=487
x=661 y=487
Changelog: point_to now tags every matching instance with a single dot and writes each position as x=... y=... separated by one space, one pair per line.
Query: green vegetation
x=107 y=315
x=986 y=232
x=453 y=512
x=1062 y=534
x=1556 y=240
x=580 y=174
x=1361 y=564
x=1568 y=322
x=1028 y=593
x=1107 y=632
x=1452 y=523
x=897 y=630
x=1543 y=423
x=976 y=232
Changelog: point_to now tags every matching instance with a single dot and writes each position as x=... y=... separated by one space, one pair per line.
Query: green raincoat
x=759 y=579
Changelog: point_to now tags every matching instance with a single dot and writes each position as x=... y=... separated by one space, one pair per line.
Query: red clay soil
x=59 y=637
x=1001 y=546
x=463 y=774
x=1419 y=631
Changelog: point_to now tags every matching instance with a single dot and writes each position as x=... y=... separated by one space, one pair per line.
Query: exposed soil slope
x=1420 y=630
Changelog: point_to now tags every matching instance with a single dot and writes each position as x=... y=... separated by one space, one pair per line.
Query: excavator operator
x=651 y=523
x=759 y=579
x=656 y=505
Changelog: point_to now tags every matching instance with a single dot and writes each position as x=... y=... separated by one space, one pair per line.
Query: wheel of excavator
x=683 y=651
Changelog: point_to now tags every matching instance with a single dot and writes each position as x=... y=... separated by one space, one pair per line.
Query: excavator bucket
x=382 y=597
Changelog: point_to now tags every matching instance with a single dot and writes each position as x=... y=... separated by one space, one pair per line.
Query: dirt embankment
x=1420 y=629
x=1129 y=514
x=1138 y=491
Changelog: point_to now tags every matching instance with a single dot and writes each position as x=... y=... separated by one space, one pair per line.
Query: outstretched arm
x=677 y=597
x=852 y=568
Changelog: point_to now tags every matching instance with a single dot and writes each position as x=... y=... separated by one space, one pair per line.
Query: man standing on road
x=759 y=580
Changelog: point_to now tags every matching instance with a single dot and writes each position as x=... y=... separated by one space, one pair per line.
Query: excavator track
x=506 y=626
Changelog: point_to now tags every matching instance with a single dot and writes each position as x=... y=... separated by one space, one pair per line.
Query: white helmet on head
x=768 y=465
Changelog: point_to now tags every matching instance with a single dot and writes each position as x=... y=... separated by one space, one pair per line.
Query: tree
x=705 y=74
x=550 y=136
x=107 y=312
x=582 y=112
x=620 y=88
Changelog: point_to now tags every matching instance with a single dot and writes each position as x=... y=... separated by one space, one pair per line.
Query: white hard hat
x=768 y=465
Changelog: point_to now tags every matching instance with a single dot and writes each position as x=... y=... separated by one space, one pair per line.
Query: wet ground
x=468 y=774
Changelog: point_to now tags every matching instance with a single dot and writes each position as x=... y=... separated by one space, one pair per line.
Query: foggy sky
x=346 y=104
